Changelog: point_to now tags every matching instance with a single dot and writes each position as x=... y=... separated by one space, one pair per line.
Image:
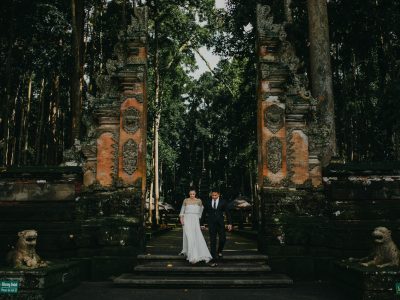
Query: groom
x=214 y=209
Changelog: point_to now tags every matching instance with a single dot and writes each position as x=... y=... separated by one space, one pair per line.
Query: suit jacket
x=216 y=215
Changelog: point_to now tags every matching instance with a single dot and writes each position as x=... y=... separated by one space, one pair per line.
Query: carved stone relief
x=264 y=20
x=274 y=118
x=130 y=156
x=274 y=155
x=131 y=120
x=138 y=20
x=106 y=158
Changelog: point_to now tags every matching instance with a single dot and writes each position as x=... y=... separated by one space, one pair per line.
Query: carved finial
x=138 y=20
x=264 y=20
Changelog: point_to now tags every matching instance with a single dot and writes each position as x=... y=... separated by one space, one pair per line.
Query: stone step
x=199 y=270
x=253 y=258
x=267 y=281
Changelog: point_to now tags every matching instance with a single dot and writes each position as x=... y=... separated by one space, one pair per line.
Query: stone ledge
x=50 y=172
x=168 y=268
x=272 y=280
x=227 y=257
x=363 y=168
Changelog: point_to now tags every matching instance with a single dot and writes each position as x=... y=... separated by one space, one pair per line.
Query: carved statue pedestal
x=367 y=282
x=42 y=283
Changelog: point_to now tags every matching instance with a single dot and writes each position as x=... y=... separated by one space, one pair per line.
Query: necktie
x=215 y=204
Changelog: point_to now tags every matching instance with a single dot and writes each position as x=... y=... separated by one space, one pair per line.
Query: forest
x=51 y=52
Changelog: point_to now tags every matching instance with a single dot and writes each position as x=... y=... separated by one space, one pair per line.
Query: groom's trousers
x=216 y=228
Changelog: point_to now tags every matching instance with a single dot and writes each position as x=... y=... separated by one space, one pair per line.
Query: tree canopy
x=207 y=130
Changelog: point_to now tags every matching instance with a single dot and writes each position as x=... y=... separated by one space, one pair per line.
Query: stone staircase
x=173 y=271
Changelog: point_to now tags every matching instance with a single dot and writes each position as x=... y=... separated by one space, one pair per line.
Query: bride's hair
x=192 y=190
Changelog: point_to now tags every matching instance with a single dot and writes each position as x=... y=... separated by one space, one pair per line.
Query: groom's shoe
x=212 y=263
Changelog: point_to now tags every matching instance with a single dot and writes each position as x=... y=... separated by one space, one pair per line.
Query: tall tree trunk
x=157 y=120
x=151 y=192
x=26 y=121
x=15 y=116
x=288 y=10
x=23 y=111
x=38 y=146
x=57 y=120
x=53 y=121
x=77 y=8
x=46 y=138
x=321 y=73
x=156 y=147
x=7 y=107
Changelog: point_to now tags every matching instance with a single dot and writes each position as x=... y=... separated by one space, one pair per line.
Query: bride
x=194 y=246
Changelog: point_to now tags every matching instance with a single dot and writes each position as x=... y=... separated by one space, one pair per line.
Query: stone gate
x=290 y=140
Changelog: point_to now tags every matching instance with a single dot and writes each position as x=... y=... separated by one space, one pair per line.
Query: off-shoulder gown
x=194 y=245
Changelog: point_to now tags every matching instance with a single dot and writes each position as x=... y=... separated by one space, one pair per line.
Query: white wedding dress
x=194 y=245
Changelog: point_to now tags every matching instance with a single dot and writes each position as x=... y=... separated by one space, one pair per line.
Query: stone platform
x=367 y=282
x=247 y=271
x=42 y=283
x=135 y=281
x=241 y=267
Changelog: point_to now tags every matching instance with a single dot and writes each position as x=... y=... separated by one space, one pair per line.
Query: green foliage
x=35 y=49
x=208 y=125
x=365 y=50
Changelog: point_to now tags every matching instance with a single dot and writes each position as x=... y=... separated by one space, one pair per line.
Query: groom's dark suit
x=216 y=224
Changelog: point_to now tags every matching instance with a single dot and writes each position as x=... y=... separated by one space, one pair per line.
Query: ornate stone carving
x=130 y=156
x=73 y=156
x=274 y=118
x=89 y=150
x=138 y=21
x=106 y=87
x=385 y=252
x=24 y=254
x=274 y=155
x=264 y=20
x=131 y=120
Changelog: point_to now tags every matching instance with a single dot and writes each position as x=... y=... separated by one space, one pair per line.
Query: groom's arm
x=228 y=213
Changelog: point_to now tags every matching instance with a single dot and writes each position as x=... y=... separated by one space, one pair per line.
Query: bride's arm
x=201 y=209
x=201 y=215
x=182 y=213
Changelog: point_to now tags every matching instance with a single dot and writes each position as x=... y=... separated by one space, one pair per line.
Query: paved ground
x=170 y=243
x=300 y=291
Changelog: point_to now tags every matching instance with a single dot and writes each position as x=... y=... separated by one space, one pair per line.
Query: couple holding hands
x=191 y=215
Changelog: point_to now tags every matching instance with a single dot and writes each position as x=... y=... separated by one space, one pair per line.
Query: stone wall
x=44 y=199
x=361 y=196
x=92 y=228
x=304 y=232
